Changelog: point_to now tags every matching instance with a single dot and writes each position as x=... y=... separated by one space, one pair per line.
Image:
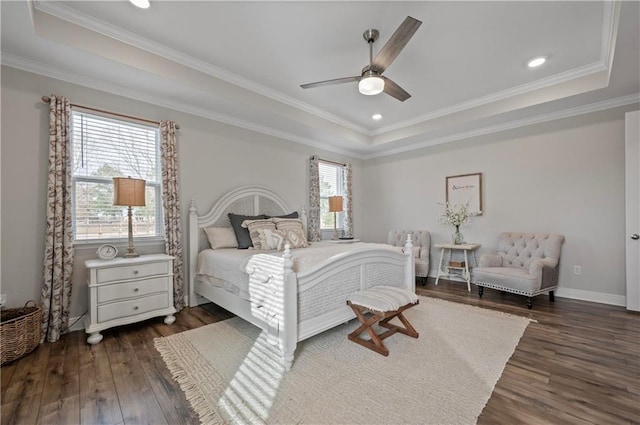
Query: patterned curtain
x=313 y=220
x=348 y=201
x=58 y=246
x=171 y=206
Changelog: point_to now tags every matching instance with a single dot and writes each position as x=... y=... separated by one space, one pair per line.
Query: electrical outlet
x=577 y=270
x=3 y=300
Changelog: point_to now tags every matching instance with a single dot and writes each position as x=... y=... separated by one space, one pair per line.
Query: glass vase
x=457 y=237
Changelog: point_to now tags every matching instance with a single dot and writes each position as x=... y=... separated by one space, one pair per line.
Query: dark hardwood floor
x=579 y=364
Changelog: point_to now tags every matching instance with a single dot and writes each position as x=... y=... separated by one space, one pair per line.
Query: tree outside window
x=103 y=148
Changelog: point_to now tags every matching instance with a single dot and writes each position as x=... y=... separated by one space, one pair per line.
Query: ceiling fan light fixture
x=142 y=4
x=371 y=85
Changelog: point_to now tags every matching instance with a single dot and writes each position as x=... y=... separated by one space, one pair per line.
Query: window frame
x=324 y=200
x=155 y=185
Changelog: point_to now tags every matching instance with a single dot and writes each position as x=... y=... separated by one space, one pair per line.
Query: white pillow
x=221 y=237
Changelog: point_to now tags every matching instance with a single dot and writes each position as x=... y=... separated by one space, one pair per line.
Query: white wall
x=565 y=176
x=214 y=158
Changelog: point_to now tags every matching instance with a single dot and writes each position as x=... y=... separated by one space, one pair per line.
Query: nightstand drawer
x=137 y=271
x=136 y=288
x=132 y=307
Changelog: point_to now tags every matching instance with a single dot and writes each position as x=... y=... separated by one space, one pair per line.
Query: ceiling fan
x=371 y=81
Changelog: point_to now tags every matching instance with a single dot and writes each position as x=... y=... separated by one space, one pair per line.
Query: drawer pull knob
x=136 y=307
x=136 y=289
x=136 y=272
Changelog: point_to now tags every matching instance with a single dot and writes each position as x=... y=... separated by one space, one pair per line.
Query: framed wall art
x=466 y=188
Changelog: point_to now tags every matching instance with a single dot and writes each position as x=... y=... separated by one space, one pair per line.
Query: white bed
x=290 y=297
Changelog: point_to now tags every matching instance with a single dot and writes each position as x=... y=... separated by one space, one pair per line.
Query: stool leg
x=375 y=343
x=408 y=329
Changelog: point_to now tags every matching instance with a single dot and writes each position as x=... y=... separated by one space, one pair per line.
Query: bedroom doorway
x=632 y=208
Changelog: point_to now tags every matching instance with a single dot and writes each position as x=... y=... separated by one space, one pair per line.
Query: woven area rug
x=229 y=373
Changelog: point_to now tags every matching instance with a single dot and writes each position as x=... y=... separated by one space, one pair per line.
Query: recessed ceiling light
x=142 y=4
x=376 y=116
x=536 y=62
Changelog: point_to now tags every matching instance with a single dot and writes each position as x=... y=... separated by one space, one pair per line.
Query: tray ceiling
x=243 y=62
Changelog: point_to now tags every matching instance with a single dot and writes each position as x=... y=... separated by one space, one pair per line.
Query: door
x=632 y=194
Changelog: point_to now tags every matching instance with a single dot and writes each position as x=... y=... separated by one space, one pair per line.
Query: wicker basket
x=20 y=331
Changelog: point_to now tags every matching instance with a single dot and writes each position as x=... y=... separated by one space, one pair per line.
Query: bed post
x=289 y=333
x=193 y=251
x=410 y=277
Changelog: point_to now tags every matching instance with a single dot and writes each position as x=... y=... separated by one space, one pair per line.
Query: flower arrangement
x=456 y=215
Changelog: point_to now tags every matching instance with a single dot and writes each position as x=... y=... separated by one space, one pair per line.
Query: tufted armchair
x=421 y=240
x=525 y=264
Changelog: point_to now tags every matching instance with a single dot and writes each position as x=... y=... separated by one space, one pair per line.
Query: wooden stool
x=383 y=303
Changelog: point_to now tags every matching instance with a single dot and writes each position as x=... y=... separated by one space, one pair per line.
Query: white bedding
x=227 y=268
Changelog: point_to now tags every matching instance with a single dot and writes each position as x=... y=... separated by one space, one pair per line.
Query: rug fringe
x=192 y=391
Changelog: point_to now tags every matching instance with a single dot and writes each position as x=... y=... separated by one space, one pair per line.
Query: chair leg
x=552 y=297
x=480 y=291
x=529 y=303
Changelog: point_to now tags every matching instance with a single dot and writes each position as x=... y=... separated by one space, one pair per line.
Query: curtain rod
x=342 y=164
x=47 y=99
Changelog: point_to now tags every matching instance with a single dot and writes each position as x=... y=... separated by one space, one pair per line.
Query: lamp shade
x=128 y=192
x=335 y=203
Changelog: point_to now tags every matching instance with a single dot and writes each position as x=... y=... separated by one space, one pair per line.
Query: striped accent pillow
x=254 y=227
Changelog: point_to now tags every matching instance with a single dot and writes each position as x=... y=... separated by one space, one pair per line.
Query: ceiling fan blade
x=331 y=82
x=396 y=43
x=394 y=90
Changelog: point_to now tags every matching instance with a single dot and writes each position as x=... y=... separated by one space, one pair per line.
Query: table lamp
x=130 y=193
x=335 y=206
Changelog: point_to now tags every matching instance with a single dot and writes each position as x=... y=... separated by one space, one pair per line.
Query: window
x=103 y=148
x=331 y=184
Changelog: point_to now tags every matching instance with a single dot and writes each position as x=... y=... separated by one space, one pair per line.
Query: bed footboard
x=295 y=307
x=274 y=300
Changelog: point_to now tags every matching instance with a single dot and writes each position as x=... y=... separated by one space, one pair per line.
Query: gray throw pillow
x=242 y=234
x=291 y=215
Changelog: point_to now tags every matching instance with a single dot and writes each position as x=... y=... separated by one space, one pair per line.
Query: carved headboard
x=245 y=200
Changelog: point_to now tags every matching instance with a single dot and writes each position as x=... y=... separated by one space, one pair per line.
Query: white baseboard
x=577 y=294
x=596 y=297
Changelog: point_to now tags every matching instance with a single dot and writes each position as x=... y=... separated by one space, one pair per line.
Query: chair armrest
x=536 y=267
x=490 y=260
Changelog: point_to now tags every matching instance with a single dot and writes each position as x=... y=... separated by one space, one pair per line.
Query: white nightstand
x=128 y=290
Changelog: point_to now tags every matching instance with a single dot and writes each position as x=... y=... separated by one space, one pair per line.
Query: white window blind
x=331 y=184
x=103 y=148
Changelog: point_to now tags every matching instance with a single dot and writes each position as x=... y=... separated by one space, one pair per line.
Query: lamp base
x=131 y=251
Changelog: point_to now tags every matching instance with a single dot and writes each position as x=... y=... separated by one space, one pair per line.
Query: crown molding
x=537 y=119
x=553 y=80
x=610 y=22
x=94 y=24
x=13 y=61
x=609 y=31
